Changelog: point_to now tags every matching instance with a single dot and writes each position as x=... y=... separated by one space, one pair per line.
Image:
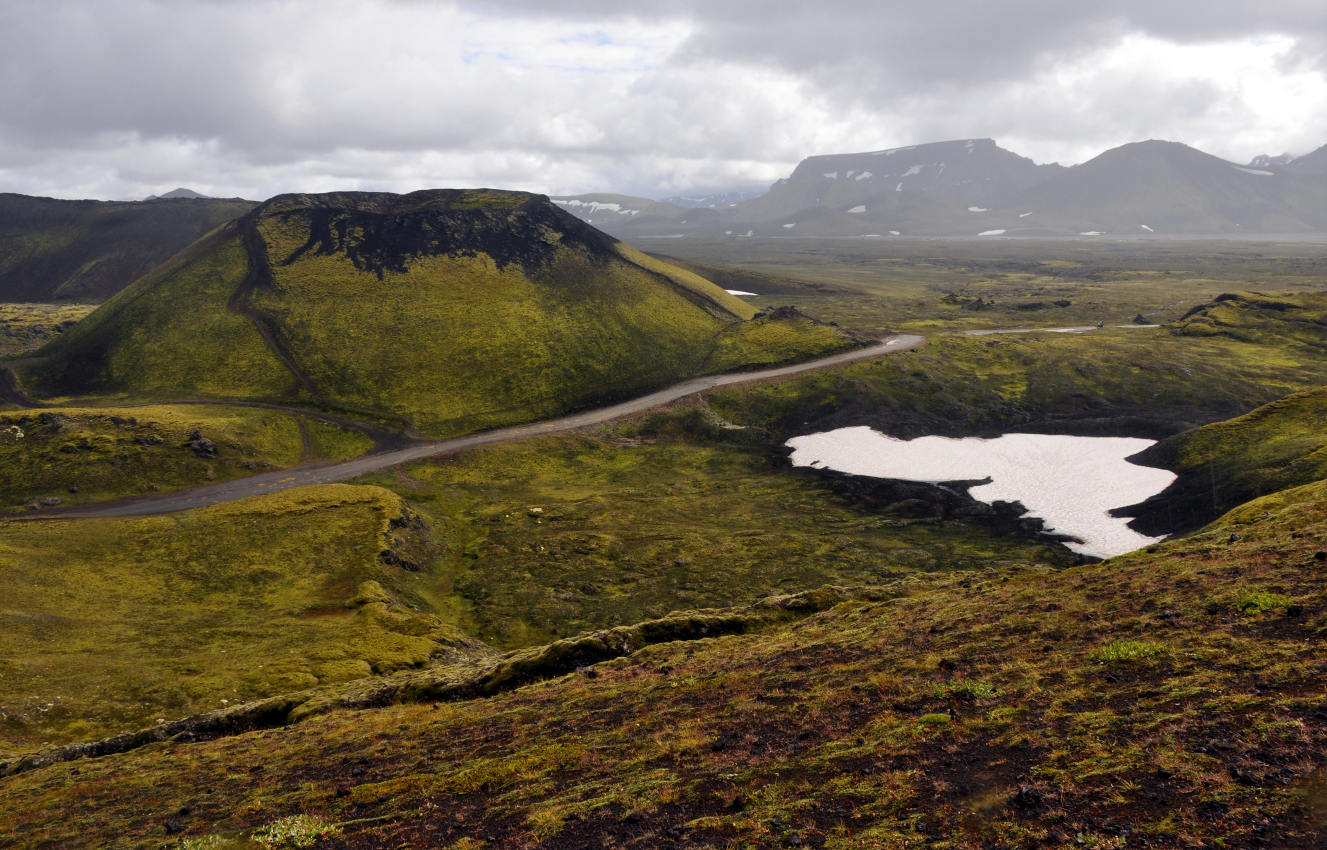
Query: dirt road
x=328 y=473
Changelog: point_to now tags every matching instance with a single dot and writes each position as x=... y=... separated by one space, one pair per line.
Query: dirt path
x=328 y=473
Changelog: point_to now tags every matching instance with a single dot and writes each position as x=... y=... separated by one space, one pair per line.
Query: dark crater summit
x=381 y=232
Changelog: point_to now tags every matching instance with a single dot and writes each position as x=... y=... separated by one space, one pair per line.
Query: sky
x=119 y=99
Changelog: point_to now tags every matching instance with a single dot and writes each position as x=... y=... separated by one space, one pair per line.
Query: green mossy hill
x=1169 y=699
x=453 y=310
x=74 y=455
x=56 y=250
x=1279 y=445
x=124 y=621
x=1254 y=316
x=1118 y=382
x=170 y=335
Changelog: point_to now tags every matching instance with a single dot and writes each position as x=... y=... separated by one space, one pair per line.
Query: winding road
x=329 y=473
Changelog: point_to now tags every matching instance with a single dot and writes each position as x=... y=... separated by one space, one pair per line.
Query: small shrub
x=1125 y=652
x=964 y=689
x=204 y=842
x=1260 y=601
x=295 y=831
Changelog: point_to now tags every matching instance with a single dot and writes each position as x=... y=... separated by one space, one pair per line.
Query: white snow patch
x=865 y=175
x=1093 y=233
x=727 y=233
x=832 y=175
x=860 y=208
x=916 y=169
x=978 y=209
x=591 y=206
x=1257 y=171
x=898 y=188
x=1024 y=215
x=991 y=233
x=1148 y=229
x=1071 y=483
x=790 y=225
x=740 y=292
x=893 y=233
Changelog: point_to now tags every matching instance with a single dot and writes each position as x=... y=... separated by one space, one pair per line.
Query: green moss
x=27 y=327
x=1126 y=652
x=128 y=620
x=75 y=455
x=1261 y=601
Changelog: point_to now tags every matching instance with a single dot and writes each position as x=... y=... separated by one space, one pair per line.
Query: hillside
x=1171 y=698
x=1280 y=445
x=56 y=250
x=447 y=311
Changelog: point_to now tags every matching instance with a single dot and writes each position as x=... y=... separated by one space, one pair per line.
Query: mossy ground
x=76 y=455
x=561 y=535
x=1009 y=707
x=109 y=624
x=924 y=286
x=27 y=327
x=1135 y=382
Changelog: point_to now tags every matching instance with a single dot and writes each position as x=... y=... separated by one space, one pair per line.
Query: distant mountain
x=176 y=193
x=1166 y=188
x=963 y=173
x=1269 y=161
x=453 y=310
x=1314 y=163
x=56 y=250
x=714 y=200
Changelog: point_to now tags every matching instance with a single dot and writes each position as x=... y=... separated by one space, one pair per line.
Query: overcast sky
x=125 y=98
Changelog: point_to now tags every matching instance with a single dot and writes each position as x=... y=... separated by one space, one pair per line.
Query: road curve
x=329 y=473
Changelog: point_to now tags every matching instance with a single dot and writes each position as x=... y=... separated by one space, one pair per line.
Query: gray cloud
x=576 y=95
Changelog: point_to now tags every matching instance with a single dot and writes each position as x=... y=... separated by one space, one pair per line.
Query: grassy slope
x=1278 y=445
x=126 y=620
x=171 y=335
x=455 y=310
x=1170 y=698
x=84 y=454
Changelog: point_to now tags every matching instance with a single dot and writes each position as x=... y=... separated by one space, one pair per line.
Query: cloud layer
x=253 y=98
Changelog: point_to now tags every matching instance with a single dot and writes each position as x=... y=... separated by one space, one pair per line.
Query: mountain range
x=973 y=187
